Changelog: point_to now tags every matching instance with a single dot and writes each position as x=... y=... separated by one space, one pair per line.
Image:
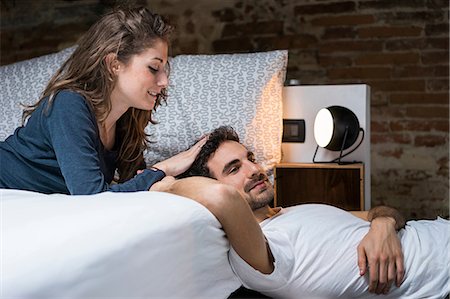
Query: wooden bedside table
x=338 y=185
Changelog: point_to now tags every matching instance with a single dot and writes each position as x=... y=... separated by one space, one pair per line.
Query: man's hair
x=215 y=139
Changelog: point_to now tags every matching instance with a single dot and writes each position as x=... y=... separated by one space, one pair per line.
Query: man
x=310 y=251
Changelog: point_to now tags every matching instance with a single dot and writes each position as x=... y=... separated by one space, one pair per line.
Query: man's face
x=234 y=165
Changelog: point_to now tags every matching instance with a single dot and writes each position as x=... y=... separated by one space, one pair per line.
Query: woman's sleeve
x=74 y=137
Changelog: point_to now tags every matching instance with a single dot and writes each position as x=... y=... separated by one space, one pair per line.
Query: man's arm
x=232 y=211
x=382 y=211
x=380 y=249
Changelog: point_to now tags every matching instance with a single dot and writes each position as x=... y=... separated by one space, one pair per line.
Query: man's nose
x=253 y=170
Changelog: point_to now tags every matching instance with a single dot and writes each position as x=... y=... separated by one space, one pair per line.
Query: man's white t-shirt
x=315 y=252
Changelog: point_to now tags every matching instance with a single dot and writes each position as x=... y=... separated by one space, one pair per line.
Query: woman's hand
x=163 y=185
x=181 y=162
x=381 y=250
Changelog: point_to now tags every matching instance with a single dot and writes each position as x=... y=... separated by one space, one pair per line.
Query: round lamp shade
x=334 y=124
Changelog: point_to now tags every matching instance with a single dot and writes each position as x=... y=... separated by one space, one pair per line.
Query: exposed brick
x=225 y=15
x=274 y=43
x=302 y=41
x=387 y=31
x=439 y=43
x=398 y=85
x=441 y=71
x=443 y=166
x=330 y=8
x=305 y=58
x=325 y=60
x=390 y=138
x=339 y=33
x=421 y=126
x=188 y=46
x=190 y=27
x=437 y=85
x=427 y=112
x=405 y=44
x=387 y=58
x=417 y=16
x=378 y=99
x=435 y=57
x=437 y=29
x=359 y=73
x=259 y=28
x=379 y=126
x=418 y=175
x=386 y=112
x=418 y=43
x=384 y=5
x=396 y=153
x=437 y=4
x=429 y=140
x=188 y=12
x=234 y=44
x=420 y=71
x=350 y=46
x=343 y=20
x=419 y=98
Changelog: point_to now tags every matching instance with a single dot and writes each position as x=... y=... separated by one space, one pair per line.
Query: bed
x=139 y=244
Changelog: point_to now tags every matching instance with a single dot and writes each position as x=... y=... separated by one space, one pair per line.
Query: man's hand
x=381 y=251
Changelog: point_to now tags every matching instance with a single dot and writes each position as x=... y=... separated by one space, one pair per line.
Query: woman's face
x=141 y=80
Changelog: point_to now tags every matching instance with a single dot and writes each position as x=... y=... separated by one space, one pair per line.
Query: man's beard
x=262 y=199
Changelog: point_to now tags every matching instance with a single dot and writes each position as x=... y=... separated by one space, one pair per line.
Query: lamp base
x=341 y=155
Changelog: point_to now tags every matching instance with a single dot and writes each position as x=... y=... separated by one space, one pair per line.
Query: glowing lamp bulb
x=323 y=127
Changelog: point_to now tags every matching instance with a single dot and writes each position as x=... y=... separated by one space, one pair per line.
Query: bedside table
x=340 y=185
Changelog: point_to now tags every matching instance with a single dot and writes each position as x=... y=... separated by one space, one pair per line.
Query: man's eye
x=233 y=169
x=252 y=159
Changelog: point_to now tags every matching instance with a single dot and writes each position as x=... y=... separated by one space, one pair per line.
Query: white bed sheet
x=140 y=244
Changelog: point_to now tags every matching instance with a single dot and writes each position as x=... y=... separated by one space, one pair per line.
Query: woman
x=90 y=121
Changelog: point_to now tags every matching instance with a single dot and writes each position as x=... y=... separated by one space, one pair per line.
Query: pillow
x=207 y=91
x=22 y=83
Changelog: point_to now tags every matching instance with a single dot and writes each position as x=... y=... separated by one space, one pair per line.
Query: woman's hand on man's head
x=181 y=162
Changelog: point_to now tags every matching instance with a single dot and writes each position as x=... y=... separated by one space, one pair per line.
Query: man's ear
x=112 y=63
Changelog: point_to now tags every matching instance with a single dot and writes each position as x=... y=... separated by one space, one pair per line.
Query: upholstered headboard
x=205 y=91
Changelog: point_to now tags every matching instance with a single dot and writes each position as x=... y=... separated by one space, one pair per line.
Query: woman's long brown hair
x=124 y=32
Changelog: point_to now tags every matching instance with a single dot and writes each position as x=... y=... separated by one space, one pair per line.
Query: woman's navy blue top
x=59 y=151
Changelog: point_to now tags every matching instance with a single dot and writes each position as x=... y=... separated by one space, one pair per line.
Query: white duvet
x=139 y=244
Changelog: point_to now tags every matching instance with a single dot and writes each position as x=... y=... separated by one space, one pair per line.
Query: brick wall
x=399 y=47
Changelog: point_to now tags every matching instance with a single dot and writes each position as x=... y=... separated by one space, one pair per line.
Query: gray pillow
x=22 y=83
x=207 y=91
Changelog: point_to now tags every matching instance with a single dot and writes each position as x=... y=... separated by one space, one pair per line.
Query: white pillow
x=207 y=91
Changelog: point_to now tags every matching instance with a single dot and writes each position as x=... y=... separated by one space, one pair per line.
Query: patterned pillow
x=207 y=91
x=22 y=83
